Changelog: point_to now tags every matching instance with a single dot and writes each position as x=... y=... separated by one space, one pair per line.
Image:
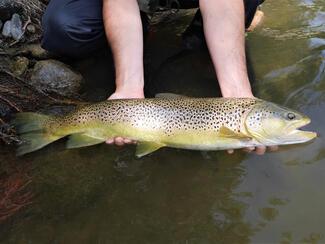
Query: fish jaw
x=296 y=135
x=293 y=134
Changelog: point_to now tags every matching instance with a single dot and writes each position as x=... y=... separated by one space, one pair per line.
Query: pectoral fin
x=144 y=148
x=228 y=133
x=82 y=140
x=168 y=95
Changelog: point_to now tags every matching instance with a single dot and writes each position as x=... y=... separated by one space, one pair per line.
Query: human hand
x=260 y=150
x=121 y=94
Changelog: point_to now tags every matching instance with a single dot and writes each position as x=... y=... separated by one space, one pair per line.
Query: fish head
x=271 y=124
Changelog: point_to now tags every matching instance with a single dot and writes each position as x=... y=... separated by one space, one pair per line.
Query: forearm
x=224 y=27
x=124 y=32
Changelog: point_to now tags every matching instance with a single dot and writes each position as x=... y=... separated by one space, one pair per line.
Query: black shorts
x=75 y=27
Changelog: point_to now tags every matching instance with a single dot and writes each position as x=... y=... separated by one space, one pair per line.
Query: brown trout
x=178 y=122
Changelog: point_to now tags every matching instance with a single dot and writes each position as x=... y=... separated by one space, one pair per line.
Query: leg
x=73 y=27
x=193 y=37
x=224 y=28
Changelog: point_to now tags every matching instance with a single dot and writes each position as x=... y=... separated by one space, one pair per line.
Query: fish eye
x=291 y=116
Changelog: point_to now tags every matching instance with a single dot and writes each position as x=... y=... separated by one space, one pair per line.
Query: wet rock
x=16 y=27
x=32 y=51
x=19 y=66
x=31 y=28
x=36 y=51
x=54 y=76
x=6 y=29
x=13 y=28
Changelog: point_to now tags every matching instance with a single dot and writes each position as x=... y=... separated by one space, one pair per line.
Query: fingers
x=260 y=150
x=119 y=141
x=273 y=148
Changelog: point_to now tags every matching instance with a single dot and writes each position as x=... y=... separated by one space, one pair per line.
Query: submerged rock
x=55 y=76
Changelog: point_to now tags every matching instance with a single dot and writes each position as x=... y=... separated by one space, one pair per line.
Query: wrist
x=235 y=86
x=128 y=92
x=237 y=93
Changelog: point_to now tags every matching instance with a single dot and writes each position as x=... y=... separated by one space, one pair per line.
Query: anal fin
x=82 y=140
x=144 y=148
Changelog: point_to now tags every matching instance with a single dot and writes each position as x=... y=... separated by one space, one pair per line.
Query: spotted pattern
x=167 y=115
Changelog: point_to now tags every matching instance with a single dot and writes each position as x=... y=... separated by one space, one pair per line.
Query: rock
x=36 y=51
x=19 y=66
x=13 y=28
x=1 y=24
x=55 y=76
x=31 y=28
x=16 y=27
x=6 y=31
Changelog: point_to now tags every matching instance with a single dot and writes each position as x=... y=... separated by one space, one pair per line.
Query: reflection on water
x=103 y=194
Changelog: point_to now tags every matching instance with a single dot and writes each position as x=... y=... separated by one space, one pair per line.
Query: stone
x=36 y=51
x=13 y=28
x=19 y=66
x=16 y=27
x=31 y=28
x=6 y=31
x=54 y=76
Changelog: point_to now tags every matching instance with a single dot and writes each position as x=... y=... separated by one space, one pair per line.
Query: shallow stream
x=103 y=194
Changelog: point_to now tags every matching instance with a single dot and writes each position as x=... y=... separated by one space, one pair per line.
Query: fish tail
x=31 y=129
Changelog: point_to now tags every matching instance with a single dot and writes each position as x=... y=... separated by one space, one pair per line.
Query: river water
x=103 y=194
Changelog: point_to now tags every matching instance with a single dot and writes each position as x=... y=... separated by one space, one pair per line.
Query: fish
x=168 y=121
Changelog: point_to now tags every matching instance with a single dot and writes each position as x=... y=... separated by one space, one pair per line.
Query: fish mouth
x=297 y=135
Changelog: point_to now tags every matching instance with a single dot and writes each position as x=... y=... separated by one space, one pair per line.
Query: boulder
x=54 y=76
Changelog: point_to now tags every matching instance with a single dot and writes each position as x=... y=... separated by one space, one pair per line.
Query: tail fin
x=30 y=127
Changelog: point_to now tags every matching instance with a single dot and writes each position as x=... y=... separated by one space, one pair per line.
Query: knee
x=55 y=24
